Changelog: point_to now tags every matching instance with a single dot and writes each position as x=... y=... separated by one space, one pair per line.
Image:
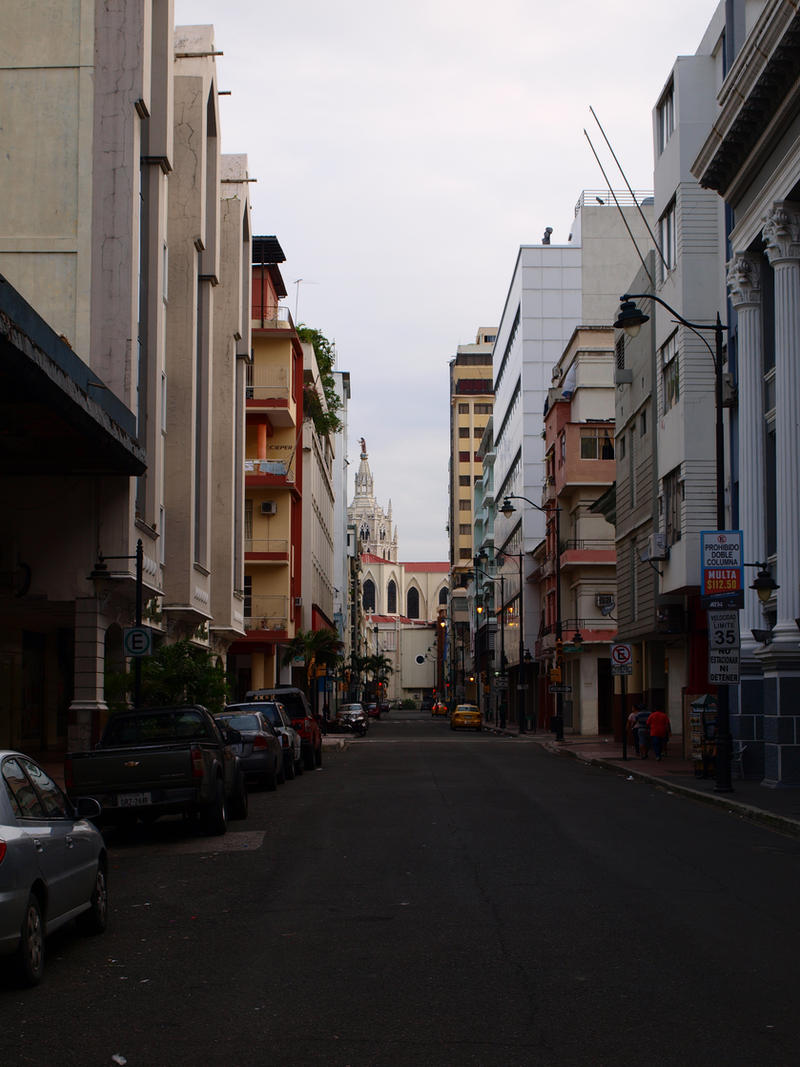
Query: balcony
x=266 y=613
x=588 y=552
x=262 y=550
x=272 y=317
x=265 y=473
x=268 y=388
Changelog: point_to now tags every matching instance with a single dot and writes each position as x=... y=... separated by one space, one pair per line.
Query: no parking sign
x=621 y=659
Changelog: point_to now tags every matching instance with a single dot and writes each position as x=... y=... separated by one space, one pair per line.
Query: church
x=402 y=603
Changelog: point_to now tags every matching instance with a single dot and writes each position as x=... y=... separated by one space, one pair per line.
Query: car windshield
x=351 y=707
x=241 y=722
x=268 y=709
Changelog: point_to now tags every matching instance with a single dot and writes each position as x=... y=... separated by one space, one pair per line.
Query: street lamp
x=631 y=319
x=501 y=579
x=508 y=510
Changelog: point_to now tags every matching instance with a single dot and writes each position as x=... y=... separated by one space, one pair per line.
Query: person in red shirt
x=658 y=722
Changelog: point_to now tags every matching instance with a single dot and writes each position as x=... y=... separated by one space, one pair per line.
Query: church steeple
x=364 y=483
x=375 y=529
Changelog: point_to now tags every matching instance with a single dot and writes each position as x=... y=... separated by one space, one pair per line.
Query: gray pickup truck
x=161 y=761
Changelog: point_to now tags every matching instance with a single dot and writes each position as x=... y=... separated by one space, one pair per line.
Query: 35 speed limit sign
x=723 y=647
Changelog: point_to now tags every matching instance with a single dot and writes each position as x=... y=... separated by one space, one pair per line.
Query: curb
x=770 y=819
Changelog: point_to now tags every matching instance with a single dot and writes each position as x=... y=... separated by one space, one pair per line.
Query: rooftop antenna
x=296 y=283
x=619 y=209
x=625 y=179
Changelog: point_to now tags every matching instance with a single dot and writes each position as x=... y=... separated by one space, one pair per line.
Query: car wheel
x=318 y=756
x=288 y=768
x=281 y=772
x=30 y=954
x=95 y=920
x=300 y=765
x=239 y=802
x=214 y=817
x=308 y=759
x=271 y=779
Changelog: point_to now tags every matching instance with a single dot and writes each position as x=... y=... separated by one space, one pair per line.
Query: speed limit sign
x=621 y=659
x=723 y=647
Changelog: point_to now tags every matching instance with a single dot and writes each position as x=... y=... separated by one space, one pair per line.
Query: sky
x=403 y=150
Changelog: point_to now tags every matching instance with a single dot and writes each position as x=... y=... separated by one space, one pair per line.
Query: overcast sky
x=403 y=151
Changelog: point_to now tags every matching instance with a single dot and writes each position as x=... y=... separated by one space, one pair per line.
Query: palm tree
x=317 y=647
x=379 y=666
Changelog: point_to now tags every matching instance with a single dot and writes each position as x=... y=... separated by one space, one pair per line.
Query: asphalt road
x=431 y=898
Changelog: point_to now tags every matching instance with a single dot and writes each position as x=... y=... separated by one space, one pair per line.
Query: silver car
x=53 y=864
x=275 y=714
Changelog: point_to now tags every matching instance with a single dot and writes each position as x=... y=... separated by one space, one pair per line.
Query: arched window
x=391 y=598
x=443 y=595
x=412 y=603
x=368 y=600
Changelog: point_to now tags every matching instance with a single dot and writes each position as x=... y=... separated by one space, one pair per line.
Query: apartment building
x=273 y=481
x=554 y=289
x=113 y=121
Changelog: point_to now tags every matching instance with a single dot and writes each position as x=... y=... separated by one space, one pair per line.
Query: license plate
x=133 y=800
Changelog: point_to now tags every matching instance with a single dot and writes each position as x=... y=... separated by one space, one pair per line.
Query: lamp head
x=764 y=584
x=508 y=508
x=577 y=640
x=630 y=318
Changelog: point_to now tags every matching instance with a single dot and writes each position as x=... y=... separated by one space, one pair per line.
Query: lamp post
x=508 y=510
x=631 y=319
x=100 y=570
x=521 y=686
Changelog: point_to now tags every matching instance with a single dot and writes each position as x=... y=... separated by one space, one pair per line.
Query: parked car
x=299 y=711
x=53 y=863
x=162 y=761
x=260 y=750
x=277 y=716
x=353 y=717
x=373 y=710
x=465 y=716
x=439 y=708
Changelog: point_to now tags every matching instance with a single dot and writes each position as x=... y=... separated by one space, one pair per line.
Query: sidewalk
x=776 y=808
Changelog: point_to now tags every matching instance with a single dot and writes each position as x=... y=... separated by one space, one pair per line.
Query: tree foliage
x=315 y=647
x=180 y=673
x=325 y=422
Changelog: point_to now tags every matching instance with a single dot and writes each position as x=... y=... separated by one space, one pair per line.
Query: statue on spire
x=363 y=444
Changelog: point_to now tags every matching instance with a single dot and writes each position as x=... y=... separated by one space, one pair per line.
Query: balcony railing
x=266 y=613
x=274 y=546
x=589 y=545
x=269 y=466
x=272 y=315
x=593 y=197
x=267 y=383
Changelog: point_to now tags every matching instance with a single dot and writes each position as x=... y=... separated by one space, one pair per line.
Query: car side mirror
x=87 y=808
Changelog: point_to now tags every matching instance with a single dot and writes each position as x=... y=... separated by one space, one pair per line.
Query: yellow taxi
x=439 y=708
x=466 y=716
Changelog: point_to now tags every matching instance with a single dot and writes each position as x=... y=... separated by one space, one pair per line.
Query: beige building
x=318 y=511
x=133 y=249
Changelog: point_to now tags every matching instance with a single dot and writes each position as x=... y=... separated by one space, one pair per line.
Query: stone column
x=90 y=655
x=782 y=237
x=781 y=658
x=744 y=285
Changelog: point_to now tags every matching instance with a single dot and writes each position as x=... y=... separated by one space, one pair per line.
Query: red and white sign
x=621 y=659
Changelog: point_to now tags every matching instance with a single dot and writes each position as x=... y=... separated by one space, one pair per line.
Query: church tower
x=373 y=526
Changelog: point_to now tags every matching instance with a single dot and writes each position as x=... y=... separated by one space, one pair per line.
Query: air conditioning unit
x=298 y=602
x=657 y=547
x=604 y=600
x=269 y=507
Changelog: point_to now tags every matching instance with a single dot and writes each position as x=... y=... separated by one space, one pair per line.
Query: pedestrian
x=658 y=725
x=632 y=731
x=642 y=729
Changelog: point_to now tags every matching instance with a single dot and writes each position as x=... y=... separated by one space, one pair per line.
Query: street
x=433 y=898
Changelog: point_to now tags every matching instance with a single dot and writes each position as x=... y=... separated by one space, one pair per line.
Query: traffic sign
x=621 y=659
x=721 y=563
x=723 y=647
x=137 y=641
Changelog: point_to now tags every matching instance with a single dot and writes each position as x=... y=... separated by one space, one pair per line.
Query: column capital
x=744 y=279
x=781 y=232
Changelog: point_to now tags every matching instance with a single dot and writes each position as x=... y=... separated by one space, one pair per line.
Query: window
x=464 y=479
x=465 y=553
x=391 y=597
x=368 y=598
x=596 y=443
x=632 y=467
x=477 y=431
x=670 y=382
x=666 y=117
x=463 y=409
x=463 y=457
x=562 y=448
x=673 y=498
x=443 y=595
x=622 y=447
x=465 y=528
x=412 y=603
x=464 y=505
x=463 y=431
x=620 y=352
x=667 y=241
x=643 y=424
x=483 y=409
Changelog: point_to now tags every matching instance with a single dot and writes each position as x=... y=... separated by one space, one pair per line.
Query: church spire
x=364 y=474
